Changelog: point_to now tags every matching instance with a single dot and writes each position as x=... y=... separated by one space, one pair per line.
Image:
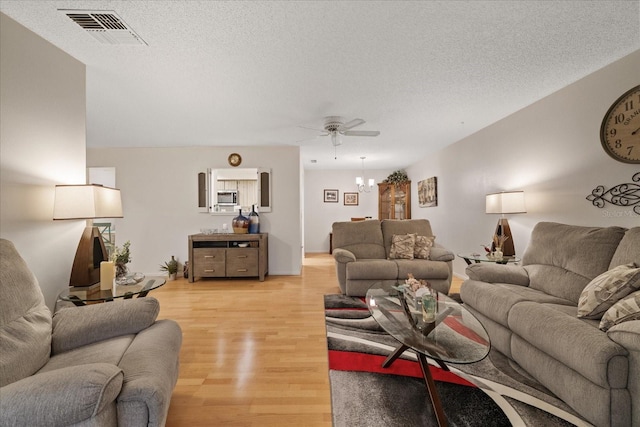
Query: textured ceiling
x=425 y=74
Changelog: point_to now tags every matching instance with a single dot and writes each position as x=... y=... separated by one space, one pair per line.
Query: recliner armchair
x=102 y=364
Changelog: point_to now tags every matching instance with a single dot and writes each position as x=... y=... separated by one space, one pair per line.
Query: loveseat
x=98 y=365
x=370 y=251
x=551 y=315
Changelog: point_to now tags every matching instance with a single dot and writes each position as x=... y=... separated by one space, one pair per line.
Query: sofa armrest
x=79 y=326
x=438 y=253
x=343 y=255
x=627 y=334
x=498 y=273
x=61 y=397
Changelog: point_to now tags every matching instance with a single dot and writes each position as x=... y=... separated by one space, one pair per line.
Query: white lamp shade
x=505 y=203
x=86 y=202
x=359 y=180
x=371 y=182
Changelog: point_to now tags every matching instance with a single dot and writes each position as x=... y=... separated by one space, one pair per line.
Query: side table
x=83 y=297
x=471 y=258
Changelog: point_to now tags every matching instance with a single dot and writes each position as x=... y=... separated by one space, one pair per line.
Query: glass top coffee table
x=477 y=258
x=456 y=336
x=81 y=297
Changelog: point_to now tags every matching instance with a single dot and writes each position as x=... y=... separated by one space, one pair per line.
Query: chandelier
x=360 y=181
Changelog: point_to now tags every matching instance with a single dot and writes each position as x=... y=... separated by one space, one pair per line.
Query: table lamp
x=88 y=202
x=506 y=202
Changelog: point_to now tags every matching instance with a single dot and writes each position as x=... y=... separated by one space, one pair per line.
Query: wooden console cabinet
x=222 y=255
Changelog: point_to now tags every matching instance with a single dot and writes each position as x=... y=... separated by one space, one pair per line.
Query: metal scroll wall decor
x=626 y=194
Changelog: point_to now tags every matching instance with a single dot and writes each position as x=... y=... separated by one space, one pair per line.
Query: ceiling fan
x=336 y=127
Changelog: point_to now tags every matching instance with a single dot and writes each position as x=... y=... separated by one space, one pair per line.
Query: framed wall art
x=428 y=192
x=351 y=199
x=331 y=196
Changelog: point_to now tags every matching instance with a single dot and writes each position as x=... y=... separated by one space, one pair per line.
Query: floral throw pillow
x=422 y=248
x=627 y=308
x=402 y=246
x=607 y=289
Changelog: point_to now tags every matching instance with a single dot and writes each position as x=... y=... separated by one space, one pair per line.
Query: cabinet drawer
x=208 y=255
x=209 y=262
x=242 y=262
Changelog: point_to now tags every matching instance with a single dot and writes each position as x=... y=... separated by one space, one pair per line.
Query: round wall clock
x=234 y=159
x=620 y=130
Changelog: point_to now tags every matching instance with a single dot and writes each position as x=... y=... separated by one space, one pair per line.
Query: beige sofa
x=362 y=249
x=530 y=312
x=103 y=364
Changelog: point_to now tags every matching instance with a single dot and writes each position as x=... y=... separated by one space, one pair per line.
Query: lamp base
x=86 y=265
x=503 y=229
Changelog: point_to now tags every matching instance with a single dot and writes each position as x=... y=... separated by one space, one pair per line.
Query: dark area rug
x=492 y=392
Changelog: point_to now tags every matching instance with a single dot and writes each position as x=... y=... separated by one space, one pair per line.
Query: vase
x=121 y=273
x=254 y=221
x=240 y=223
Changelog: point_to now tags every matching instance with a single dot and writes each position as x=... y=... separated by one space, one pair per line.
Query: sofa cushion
x=495 y=300
x=628 y=308
x=498 y=273
x=67 y=396
x=422 y=248
x=108 y=351
x=402 y=246
x=422 y=269
x=25 y=321
x=372 y=269
x=419 y=227
x=568 y=257
x=628 y=250
x=576 y=343
x=607 y=289
x=362 y=238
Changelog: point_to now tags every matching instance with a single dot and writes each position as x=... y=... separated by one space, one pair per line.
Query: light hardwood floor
x=253 y=353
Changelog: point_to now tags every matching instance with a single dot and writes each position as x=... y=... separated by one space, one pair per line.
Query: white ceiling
x=425 y=74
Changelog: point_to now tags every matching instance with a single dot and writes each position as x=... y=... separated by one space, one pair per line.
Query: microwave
x=227 y=197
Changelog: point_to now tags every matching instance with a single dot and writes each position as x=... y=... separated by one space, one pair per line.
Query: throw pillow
x=607 y=289
x=402 y=246
x=627 y=308
x=423 y=246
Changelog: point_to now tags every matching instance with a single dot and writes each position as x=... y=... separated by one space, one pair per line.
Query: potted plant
x=121 y=257
x=171 y=267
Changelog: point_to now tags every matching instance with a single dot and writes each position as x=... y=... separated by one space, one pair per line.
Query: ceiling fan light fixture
x=336 y=139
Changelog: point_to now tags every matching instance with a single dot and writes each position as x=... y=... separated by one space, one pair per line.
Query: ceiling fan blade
x=353 y=123
x=316 y=129
x=361 y=133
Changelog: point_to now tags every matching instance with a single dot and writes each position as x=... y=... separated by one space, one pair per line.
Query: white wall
x=160 y=201
x=551 y=150
x=319 y=215
x=42 y=143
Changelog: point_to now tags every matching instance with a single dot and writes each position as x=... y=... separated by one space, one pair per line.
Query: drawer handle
x=209 y=256
x=241 y=256
x=209 y=271
x=242 y=270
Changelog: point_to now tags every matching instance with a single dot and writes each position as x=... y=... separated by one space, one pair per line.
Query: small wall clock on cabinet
x=620 y=129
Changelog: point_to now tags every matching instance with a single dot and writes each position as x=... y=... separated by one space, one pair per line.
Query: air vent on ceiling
x=105 y=26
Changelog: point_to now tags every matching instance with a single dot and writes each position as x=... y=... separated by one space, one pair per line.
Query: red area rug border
x=362 y=362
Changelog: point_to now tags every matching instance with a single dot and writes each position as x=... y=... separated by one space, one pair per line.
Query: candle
x=107 y=273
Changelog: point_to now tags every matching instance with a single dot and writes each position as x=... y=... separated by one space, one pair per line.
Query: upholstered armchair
x=102 y=364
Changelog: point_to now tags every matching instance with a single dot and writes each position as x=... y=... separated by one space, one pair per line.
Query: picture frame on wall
x=331 y=196
x=428 y=192
x=351 y=199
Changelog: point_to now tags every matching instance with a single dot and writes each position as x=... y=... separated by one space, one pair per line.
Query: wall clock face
x=620 y=130
x=234 y=159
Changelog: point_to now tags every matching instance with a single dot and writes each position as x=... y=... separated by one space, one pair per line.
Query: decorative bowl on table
x=130 y=279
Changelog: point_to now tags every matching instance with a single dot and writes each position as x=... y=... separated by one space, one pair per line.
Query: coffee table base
x=428 y=379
